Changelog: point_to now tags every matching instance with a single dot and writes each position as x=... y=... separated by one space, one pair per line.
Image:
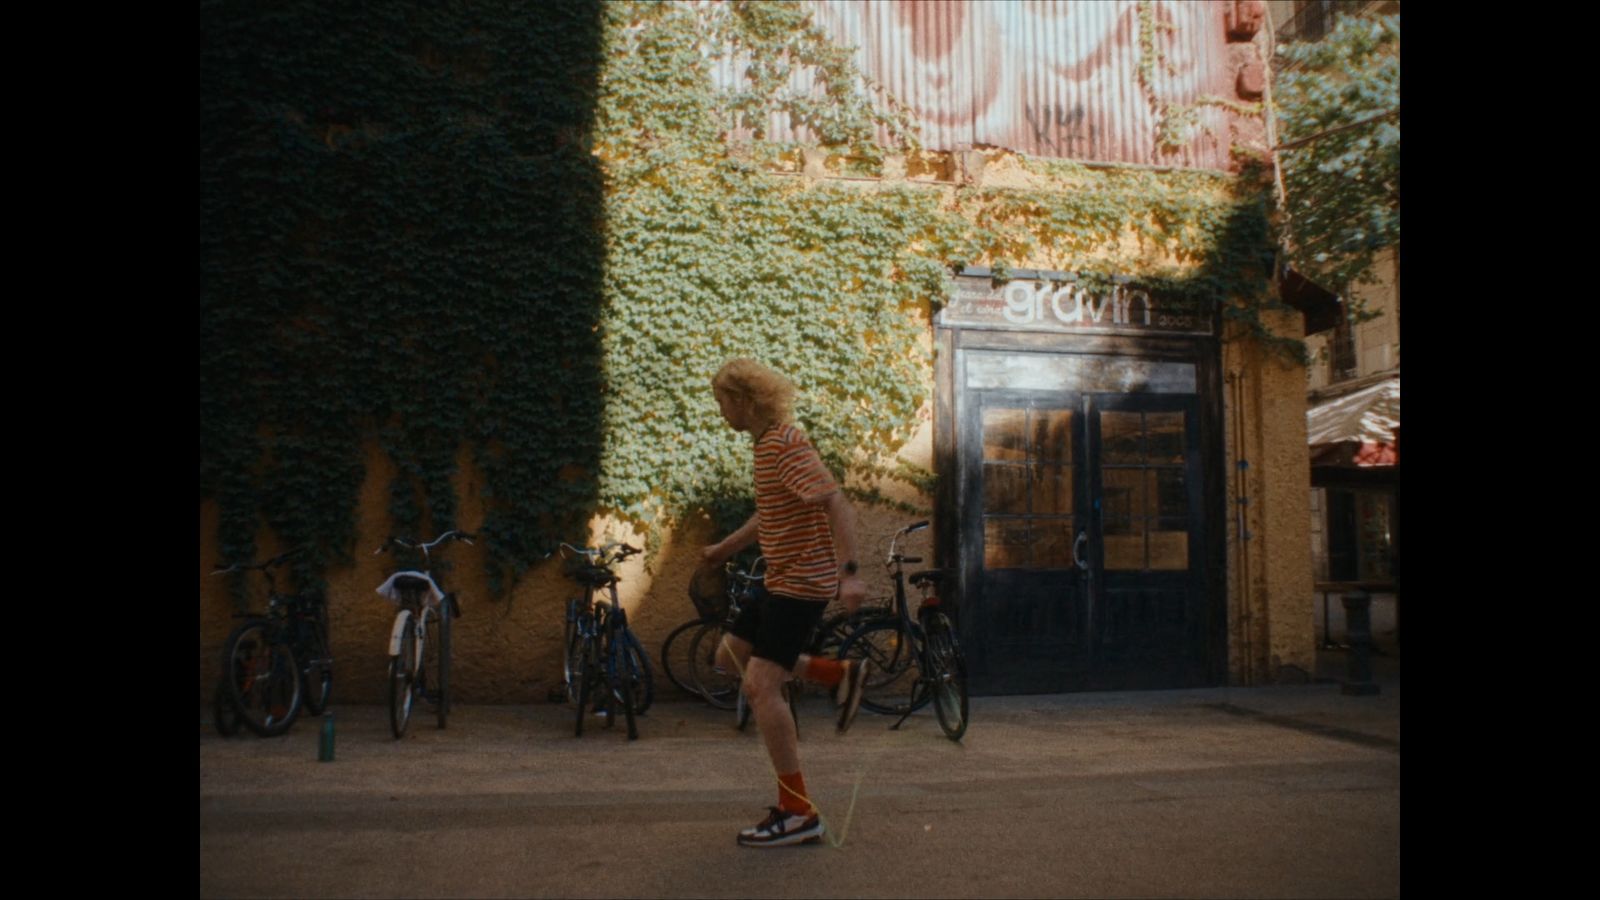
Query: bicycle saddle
x=400 y=584
x=594 y=576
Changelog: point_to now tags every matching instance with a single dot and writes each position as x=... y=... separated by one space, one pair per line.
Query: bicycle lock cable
x=855 y=791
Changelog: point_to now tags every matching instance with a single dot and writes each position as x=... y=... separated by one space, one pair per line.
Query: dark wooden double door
x=1085 y=539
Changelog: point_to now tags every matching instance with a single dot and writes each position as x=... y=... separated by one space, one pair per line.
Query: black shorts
x=779 y=627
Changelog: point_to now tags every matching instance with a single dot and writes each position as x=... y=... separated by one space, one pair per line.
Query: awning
x=1318 y=306
x=1366 y=420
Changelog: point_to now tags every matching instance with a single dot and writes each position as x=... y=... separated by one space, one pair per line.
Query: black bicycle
x=274 y=664
x=688 y=655
x=419 y=640
x=915 y=660
x=709 y=590
x=603 y=662
x=695 y=644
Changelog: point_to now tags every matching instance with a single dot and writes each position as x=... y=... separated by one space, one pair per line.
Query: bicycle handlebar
x=413 y=545
x=600 y=554
x=894 y=555
x=756 y=572
x=275 y=561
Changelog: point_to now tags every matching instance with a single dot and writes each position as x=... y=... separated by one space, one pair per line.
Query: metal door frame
x=952 y=494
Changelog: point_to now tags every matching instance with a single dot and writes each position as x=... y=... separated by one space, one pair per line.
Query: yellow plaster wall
x=508 y=649
x=1271 y=629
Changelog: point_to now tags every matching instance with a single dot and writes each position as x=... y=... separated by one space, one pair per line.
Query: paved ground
x=1227 y=792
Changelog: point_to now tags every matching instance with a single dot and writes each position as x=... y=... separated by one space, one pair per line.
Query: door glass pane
x=1125 y=550
x=1005 y=543
x=1052 y=490
x=1164 y=436
x=1169 y=549
x=1374 y=537
x=1052 y=434
x=1005 y=489
x=1124 y=494
x=1170 y=491
x=1028 y=490
x=1004 y=437
x=1119 y=437
x=1052 y=543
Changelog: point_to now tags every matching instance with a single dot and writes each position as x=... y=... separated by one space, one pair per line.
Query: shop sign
x=1064 y=305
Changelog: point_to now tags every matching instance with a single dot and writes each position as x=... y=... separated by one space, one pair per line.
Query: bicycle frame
x=897 y=640
x=425 y=617
x=424 y=607
x=294 y=621
x=600 y=643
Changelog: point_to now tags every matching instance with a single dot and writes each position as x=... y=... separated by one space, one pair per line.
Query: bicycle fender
x=398 y=630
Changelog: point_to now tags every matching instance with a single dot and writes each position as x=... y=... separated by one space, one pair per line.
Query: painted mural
x=1048 y=77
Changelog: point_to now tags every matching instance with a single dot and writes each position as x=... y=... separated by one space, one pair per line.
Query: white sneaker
x=779 y=829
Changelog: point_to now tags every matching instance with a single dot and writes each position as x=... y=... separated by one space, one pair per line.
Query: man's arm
x=724 y=550
x=842 y=521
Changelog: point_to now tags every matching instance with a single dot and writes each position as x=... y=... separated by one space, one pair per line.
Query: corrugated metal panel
x=1055 y=78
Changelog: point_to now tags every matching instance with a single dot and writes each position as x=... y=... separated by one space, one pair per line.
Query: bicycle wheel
x=588 y=674
x=676 y=657
x=223 y=713
x=402 y=679
x=720 y=686
x=262 y=677
x=889 y=685
x=446 y=610
x=742 y=708
x=641 y=680
x=620 y=683
x=572 y=652
x=316 y=666
x=947 y=675
x=840 y=624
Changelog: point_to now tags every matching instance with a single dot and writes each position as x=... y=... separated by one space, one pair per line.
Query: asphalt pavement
x=1279 y=791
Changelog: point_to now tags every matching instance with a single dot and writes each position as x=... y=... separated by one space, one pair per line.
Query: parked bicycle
x=603 y=662
x=718 y=595
x=829 y=636
x=419 y=640
x=717 y=681
x=915 y=660
x=273 y=664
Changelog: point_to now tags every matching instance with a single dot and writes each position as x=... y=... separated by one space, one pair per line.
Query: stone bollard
x=1358 y=634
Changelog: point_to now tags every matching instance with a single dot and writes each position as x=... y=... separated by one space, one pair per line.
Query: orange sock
x=792 y=796
x=824 y=671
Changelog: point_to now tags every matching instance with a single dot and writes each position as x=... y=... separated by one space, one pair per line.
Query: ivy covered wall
x=401 y=240
x=516 y=237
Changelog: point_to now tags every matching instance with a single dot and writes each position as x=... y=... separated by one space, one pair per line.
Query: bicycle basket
x=708 y=588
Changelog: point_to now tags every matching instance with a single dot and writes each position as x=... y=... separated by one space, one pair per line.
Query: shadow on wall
x=401 y=246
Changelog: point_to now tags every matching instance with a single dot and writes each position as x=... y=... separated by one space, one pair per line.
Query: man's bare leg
x=763 y=686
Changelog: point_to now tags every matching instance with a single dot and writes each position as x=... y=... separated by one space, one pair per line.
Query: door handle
x=1077 y=550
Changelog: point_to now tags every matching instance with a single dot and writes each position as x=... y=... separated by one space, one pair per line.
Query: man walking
x=806 y=528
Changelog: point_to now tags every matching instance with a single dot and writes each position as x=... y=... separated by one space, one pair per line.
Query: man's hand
x=852 y=590
x=712 y=555
x=724 y=550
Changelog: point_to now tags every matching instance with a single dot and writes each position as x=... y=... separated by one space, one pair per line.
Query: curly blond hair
x=771 y=392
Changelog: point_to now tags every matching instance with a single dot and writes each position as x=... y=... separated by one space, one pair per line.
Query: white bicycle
x=415 y=656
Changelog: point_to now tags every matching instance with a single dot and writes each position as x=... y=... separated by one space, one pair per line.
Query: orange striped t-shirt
x=792 y=522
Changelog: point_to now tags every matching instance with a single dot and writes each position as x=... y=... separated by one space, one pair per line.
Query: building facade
x=1118 y=454
x=1353 y=403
